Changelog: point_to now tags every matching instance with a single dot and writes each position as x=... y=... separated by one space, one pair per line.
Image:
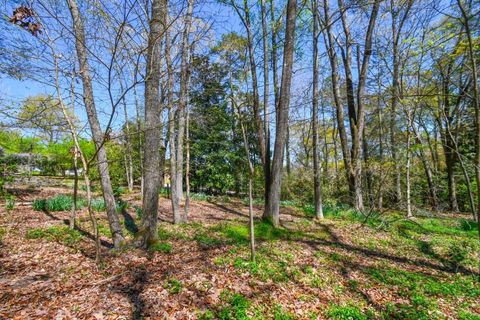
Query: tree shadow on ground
x=130 y=223
x=133 y=290
x=227 y=209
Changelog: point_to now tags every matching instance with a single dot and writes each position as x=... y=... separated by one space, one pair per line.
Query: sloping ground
x=337 y=268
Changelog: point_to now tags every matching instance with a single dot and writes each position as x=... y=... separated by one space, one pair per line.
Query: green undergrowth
x=65 y=203
x=61 y=234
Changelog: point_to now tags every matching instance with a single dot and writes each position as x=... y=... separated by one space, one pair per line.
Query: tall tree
x=354 y=98
x=148 y=234
x=317 y=182
x=97 y=134
x=273 y=204
x=182 y=105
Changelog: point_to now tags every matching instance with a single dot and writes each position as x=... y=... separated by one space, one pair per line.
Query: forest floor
x=337 y=268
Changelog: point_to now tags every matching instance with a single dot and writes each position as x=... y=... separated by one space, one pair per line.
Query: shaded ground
x=337 y=268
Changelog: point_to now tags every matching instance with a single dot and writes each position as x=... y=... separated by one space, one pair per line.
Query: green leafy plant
x=39 y=204
x=235 y=308
x=164 y=247
x=173 y=286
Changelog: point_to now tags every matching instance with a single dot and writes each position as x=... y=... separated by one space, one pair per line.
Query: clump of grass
x=9 y=202
x=62 y=234
x=164 y=247
x=58 y=203
x=39 y=204
x=98 y=205
x=173 y=286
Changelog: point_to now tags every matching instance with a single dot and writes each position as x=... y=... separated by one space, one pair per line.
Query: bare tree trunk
x=182 y=105
x=397 y=26
x=287 y=150
x=97 y=134
x=273 y=205
x=139 y=137
x=445 y=121
x=259 y=125
x=409 y=156
x=171 y=123
x=274 y=52
x=317 y=174
x=332 y=56
x=73 y=215
x=266 y=93
x=251 y=174
x=128 y=155
x=428 y=171
x=75 y=188
x=187 y=165
x=148 y=235
x=356 y=109
x=78 y=153
x=380 y=144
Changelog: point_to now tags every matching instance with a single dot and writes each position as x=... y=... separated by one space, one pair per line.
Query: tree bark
x=266 y=93
x=182 y=105
x=317 y=174
x=153 y=133
x=97 y=134
x=273 y=205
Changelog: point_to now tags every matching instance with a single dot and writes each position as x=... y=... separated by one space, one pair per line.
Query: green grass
x=61 y=234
